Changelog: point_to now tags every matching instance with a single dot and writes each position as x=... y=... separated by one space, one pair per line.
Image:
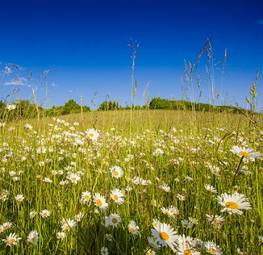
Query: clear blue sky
x=84 y=44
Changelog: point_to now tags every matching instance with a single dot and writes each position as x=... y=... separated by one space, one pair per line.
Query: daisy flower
x=11 y=240
x=117 y=196
x=92 y=134
x=32 y=237
x=133 y=228
x=244 y=152
x=116 y=172
x=212 y=248
x=45 y=213
x=186 y=246
x=100 y=201
x=165 y=235
x=170 y=211
x=234 y=204
x=85 y=197
x=112 y=220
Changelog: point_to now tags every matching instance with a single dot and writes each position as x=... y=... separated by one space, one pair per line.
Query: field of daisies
x=154 y=183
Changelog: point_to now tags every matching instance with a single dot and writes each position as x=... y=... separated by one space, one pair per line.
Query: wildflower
x=234 y=204
x=19 y=198
x=85 y=197
x=216 y=220
x=116 y=172
x=10 y=107
x=11 y=240
x=158 y=152
x=165 y=235
x=117 y=196
x=68 y=224
x=104 y=251
x=61 y=235
x=212 y=248
x=244 y=152
x=170 y=211
x=133 y=228
x=45 y=213
x=5 y=226
x=186 y=246
x=73 y=177
x=100 y=201
x=112 y=220
x=32 y=214
x=32 y=237
x=165 y=187
x=210 y=188
x=92 y=134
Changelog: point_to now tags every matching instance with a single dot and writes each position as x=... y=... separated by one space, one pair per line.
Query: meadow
x=132 y=182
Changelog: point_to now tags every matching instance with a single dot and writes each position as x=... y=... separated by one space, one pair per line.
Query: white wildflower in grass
x=68 y=224
x=165 y=235
x=133 y=228
x=28 y=126
x=186 y=246
x=100 y=201
x=165 y=187
x=45 y=213
x=61 y=235
x=244 y=152
x=85 y=198
x=10 y=107
x=216 y=220
x=32 y=237
x=171 y=211
x=158 y=152
x=234 y=203
x=11 y=240
x=149 y=251
x=210 y=188
x=117 y=196
x=5 y=226
x=73 y=177
x=116 y=172
x=32 y=214
x=92 y=134
x=104 y=251
x=112 y=220
x=212 y=248
x=79 y=217
x=19 y=198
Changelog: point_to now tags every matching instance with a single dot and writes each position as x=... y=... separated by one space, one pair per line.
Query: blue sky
x=84 y=45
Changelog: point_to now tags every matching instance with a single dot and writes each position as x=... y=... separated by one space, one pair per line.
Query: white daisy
x=245 y=152
x=165 y=235
x=92 y=134
x=32 y=237
x=116 y=172
x=100 y=201
x=212 y=248
x=112 y=220
x=133 y=228
x=11 y=240
x=117 y=196
x=170 y=211
x=234 y=204
x=85 y=197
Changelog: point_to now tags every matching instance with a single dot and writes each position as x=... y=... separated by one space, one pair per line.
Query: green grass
x=192 y=144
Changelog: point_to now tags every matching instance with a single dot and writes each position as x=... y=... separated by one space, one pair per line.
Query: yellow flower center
x=164 y=236
x=244 y=154
x=187 y=252
x=115 y=197
x=98 y=203
x=232 y=205
x=212 y=250
x=114 y=220
x=115 y=173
